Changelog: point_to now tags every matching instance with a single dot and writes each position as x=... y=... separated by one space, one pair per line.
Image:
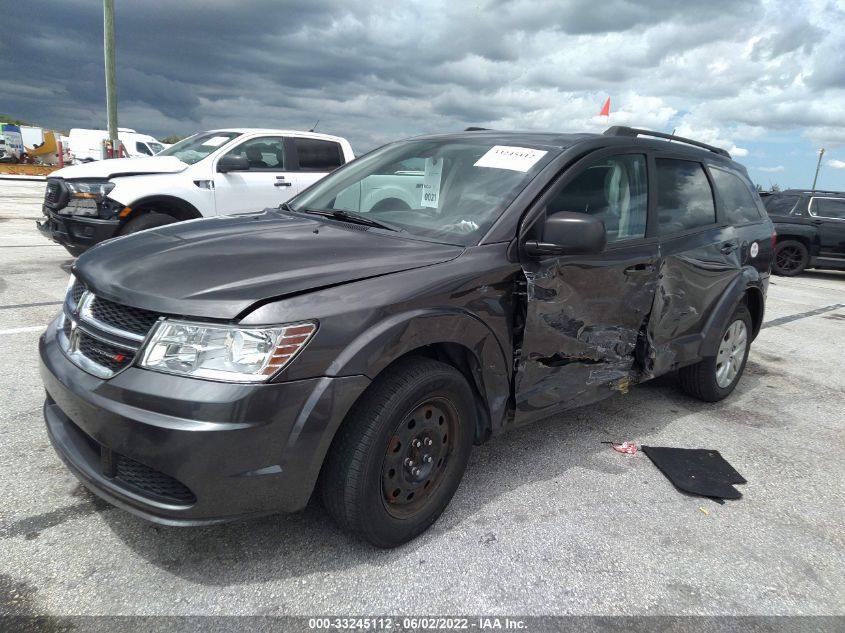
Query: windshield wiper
x=348 y=216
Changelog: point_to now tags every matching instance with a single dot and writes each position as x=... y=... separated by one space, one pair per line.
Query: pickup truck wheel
x=147 y=221
x=399 y=456
x=714 y=378
x=791 y=258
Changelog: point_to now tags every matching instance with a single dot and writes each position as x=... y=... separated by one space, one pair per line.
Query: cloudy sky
x=765 y=79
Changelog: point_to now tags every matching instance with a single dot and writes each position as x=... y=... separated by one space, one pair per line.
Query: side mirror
x=570 y=233
x=232 y=162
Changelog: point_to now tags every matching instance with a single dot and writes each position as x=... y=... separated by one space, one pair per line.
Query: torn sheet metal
x=583 y=321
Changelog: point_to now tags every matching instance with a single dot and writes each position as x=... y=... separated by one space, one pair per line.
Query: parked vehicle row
x=811 y=230
x=87 y=145
x=358 y=344
x=214 y=173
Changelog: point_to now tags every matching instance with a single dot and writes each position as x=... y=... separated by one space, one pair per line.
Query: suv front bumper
x=182 y=451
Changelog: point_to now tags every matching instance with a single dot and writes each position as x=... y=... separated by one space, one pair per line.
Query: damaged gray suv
x=359 y=340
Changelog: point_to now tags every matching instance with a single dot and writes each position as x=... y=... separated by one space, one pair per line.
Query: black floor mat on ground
x=697 y=470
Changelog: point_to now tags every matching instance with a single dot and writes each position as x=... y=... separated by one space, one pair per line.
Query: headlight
x=222 y=352
x=84 y=197
x=89 y=190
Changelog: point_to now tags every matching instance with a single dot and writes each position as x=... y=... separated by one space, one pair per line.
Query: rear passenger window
x=684 y=196
x=828 y=208
x=615 y=190
x=740 y=206
x=318 y=155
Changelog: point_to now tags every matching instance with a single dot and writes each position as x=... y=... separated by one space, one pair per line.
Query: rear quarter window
x=780 y=205
x=684 y=196
x=737 y=200
x=318 y=155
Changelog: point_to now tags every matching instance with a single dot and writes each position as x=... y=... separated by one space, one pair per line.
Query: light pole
x=818 y=166
x=111 y=87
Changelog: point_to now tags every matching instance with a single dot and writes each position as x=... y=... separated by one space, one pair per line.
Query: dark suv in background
x=810 y=227
x=360 y=344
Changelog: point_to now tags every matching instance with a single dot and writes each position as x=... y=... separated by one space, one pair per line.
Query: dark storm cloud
x=374 y=71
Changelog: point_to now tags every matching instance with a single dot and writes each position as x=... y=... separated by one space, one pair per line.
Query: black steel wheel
x=399 y=456
x=791 y=258
x=417 y=457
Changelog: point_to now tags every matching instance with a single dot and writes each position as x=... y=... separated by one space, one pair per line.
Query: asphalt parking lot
x=548 y=520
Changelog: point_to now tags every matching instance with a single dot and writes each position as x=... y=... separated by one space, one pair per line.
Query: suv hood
x=219 y=267
x=122 y=167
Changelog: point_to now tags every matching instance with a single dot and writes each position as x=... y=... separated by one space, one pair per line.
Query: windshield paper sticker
x=513 y=158
x=215 y=141
x=431 y=183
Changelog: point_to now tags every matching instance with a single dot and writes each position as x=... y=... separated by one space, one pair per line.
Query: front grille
x=101 y=336
x=104 y=354
x=122 y=317
x=76 y=292
x=53 y=192
x=151 y=481
x=56 y=195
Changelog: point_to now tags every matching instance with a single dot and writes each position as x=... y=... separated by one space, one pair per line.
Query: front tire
x=146 y=221
x=398 y=458
x=714 y=378
x=790 y=259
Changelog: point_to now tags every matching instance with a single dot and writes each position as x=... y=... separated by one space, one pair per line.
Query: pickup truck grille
x=56 y=195
x=101 y=336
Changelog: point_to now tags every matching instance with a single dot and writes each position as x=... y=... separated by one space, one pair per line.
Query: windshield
x=156 y=147
x=448 y=190
x=193 y=149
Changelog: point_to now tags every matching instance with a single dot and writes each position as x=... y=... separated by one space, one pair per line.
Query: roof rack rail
x=476 y=129
x=621 y=130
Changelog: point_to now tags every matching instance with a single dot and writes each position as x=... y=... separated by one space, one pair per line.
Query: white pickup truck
x=212 y=173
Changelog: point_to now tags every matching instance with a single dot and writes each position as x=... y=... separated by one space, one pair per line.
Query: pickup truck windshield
x=194 y=148
x=448 y=190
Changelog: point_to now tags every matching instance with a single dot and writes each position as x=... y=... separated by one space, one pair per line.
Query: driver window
x=614 y=189
x=266 y=153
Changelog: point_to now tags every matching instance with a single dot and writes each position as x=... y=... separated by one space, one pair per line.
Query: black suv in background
x=425 y=297
x=810 y=227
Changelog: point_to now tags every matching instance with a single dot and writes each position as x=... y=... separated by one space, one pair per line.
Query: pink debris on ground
x=625 y=447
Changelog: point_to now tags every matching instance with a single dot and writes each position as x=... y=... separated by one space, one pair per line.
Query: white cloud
x=836 y=164
x=772 y=170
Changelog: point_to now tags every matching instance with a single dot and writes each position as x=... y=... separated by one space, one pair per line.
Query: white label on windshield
x=216 y=141
x=513 y=158
x=431 y=183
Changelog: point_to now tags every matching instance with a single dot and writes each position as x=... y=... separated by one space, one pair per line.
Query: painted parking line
x=15 y=306
x=802 y=315
x=24 y=330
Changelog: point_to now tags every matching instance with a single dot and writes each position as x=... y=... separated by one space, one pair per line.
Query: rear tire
x=715 y=377
x=401 y=452
x=146 y=221
x=790 y=259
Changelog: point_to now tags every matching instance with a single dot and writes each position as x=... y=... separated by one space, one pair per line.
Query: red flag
x=605 y=110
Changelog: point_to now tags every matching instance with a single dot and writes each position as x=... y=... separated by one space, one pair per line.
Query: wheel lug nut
x=415 y=471
x=428 y=441
x=416 y=444
x=409 y=462
x=427 y=458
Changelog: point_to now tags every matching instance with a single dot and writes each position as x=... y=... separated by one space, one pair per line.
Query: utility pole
x=111 y=87
x=818 y=166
